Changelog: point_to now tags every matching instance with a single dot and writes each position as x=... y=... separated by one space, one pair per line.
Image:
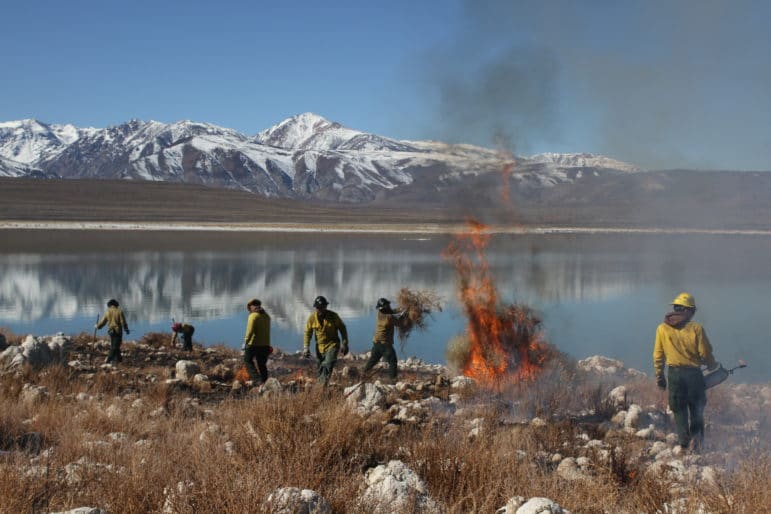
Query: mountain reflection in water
x=598 y=294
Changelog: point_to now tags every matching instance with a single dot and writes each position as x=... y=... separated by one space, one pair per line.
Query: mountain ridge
x=302 y=157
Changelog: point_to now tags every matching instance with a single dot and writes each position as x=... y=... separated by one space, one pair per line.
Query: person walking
x=325 y=325
x=683 y=346
x=383 y=340
x=187 y=330
x=116 y=324
x=257 y=341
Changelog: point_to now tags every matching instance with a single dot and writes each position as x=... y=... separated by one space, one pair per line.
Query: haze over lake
x=597 y=294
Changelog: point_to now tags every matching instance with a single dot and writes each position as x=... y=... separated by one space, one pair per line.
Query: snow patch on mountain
x=581 y=160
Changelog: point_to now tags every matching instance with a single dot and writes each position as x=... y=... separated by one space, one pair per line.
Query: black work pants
x=687 y=398
x=116 y=338
x=386 y=352
x=260 y=354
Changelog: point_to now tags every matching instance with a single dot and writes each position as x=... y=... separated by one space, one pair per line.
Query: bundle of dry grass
x=417 y=307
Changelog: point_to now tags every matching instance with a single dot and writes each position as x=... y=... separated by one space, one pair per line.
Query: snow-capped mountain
x=305 y=156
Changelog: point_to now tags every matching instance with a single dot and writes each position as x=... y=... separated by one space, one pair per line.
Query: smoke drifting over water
x=660 y=84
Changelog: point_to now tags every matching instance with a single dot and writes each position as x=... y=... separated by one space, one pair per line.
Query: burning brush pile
x=502 y=344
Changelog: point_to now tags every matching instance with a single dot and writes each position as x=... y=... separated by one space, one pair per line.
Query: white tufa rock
x=632 y=418
x=569 y=470
x=365 y=397
x=618 y=395
x=186 y=370
x=271 y=386
x=541 y=506
x=396 y=488
x=291 y=500
x=461 y=382
x=32 y=394
x=512 y=505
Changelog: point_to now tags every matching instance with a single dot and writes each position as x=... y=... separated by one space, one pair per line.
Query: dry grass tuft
x=156 y=339
x=417 y=307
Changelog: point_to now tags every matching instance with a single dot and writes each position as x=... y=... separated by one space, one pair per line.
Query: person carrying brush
x=383 y=340
x=325 y=325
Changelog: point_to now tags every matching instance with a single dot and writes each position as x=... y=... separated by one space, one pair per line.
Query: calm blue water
x=596 y=294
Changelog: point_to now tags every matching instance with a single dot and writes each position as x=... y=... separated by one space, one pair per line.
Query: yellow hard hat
x=686 y=300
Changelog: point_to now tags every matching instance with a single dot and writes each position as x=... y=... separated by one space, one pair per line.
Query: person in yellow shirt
x=116 y=324
x=325 y=325
x=683 y=346
x=383 y=340
x=257 y=341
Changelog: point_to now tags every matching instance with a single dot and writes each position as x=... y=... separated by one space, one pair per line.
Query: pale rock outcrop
x=37 y=352
x=186 y=370
x=365 y=397
x=396 y=488
x=32 y=394
x=633 y=415
x=461 y=382
x=291 y=500
x=541 y=506
x=271 y=386
x=570 y=470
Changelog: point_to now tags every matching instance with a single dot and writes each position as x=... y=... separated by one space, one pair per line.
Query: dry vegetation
x=416 y=307
x=127 y=442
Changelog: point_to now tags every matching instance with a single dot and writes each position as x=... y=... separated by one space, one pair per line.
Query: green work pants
x=327 y=362
x=116 y=338
x=383 y=351
x=687 y=398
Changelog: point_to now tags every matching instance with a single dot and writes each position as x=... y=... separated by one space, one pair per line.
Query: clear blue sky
x=662 y=84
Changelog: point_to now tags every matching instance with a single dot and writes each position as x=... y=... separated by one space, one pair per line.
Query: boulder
x=365 y=397
x=271 y=386
x=541 y=506
x=32 y=394
x=633 y=415
x=569 y=470
x=291 y=500
x=395 y=488
x=186 y=370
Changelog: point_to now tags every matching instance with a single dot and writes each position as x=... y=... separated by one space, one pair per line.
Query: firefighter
x=116 y=324
x=683 y=346
x=187 y=330
x=325 y=325
x=257 y=341
x=383 y=340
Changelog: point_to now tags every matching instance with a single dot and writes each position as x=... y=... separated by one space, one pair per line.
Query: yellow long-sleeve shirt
x=325 y=330
x=257 y=329
x=684 y=346
x=114 y=319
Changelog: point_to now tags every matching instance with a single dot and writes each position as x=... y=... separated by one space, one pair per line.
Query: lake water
x=597 y=294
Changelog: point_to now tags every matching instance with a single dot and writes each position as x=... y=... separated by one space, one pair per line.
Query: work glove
x=128 y=331
x=306 y=353
x=243 y=346
x=96 y=326
x=344 y=348
x=661 y=381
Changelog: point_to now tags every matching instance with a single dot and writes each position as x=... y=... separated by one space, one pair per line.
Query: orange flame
x=504 y=342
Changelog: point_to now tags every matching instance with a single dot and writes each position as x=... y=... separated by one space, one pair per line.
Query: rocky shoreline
x=592 y=421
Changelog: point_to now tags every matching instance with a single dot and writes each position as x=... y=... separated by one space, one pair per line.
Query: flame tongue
x=504 y=344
